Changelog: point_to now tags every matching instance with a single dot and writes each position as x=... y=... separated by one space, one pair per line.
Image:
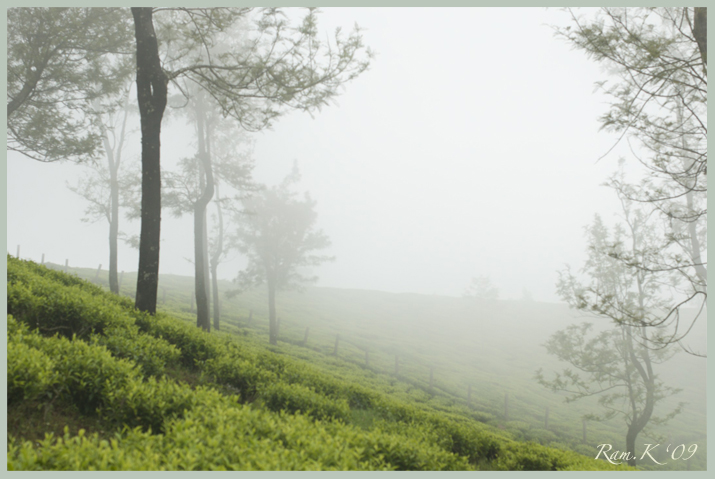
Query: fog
x=468 y=149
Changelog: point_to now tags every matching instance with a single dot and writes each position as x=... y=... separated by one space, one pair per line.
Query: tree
x=278 y=68
x=659 y=56
x=616 y=363
x=223 y=154
x=277 y=234
x=610 y=364
x=217 y=251
x=481 y=288
x=102 y=188
x=59 y=60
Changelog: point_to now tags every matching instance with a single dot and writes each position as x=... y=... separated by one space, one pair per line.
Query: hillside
x=157 y=393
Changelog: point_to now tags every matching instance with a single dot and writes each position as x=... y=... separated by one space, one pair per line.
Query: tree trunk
x=214 y=292
x=151 y=96
x=215 y=260
x=631 y=436
x=113 y=231
x=114 y=158
x=201 y=260
x=272 y=326
x=203 y=319
x=113 y=214
x=639 y=421
x=700 y=31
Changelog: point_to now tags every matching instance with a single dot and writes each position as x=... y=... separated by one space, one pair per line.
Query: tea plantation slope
x=120 y=390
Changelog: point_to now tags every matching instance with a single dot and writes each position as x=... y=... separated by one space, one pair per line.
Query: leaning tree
x=617 y=364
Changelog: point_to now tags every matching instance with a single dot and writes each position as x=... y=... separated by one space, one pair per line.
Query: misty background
x=470 y=148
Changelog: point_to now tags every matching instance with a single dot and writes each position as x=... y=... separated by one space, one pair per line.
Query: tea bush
x=297 y=398
x=267 y=411
x=30 y=372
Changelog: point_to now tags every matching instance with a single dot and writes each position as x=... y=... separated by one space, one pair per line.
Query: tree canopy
x=658 y=103
x=58 y=61
x=278 y=236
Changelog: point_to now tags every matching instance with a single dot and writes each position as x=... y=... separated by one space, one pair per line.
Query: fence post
x=18 y=251
x=337 y=341
x=96 y=277
x=43 y=259
x=506 y=406
x=67 y=262
x=305 y=338
x=397 y=365
x=546 y=418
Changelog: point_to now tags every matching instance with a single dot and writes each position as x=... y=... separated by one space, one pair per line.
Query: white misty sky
x=469 y=148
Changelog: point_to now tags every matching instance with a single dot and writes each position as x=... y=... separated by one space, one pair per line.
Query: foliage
x=298 y=398
x=30 y=372
x=161 y=424
x=256 y=65
x=660 y=100
x=59 y=61
x=613 y=364
x=277 y=235
x=463 y=351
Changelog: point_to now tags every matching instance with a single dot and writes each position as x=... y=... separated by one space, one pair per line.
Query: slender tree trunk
x=214 y=291
x=203 y=319
x=114 y=158
x=113 y=214
x=272 y=325
x=215 y=260
x=201 y=260
x=113 y=232
x=151 y=96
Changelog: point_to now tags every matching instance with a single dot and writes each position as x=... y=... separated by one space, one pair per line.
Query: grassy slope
x=494 y=348
x=373 y=321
